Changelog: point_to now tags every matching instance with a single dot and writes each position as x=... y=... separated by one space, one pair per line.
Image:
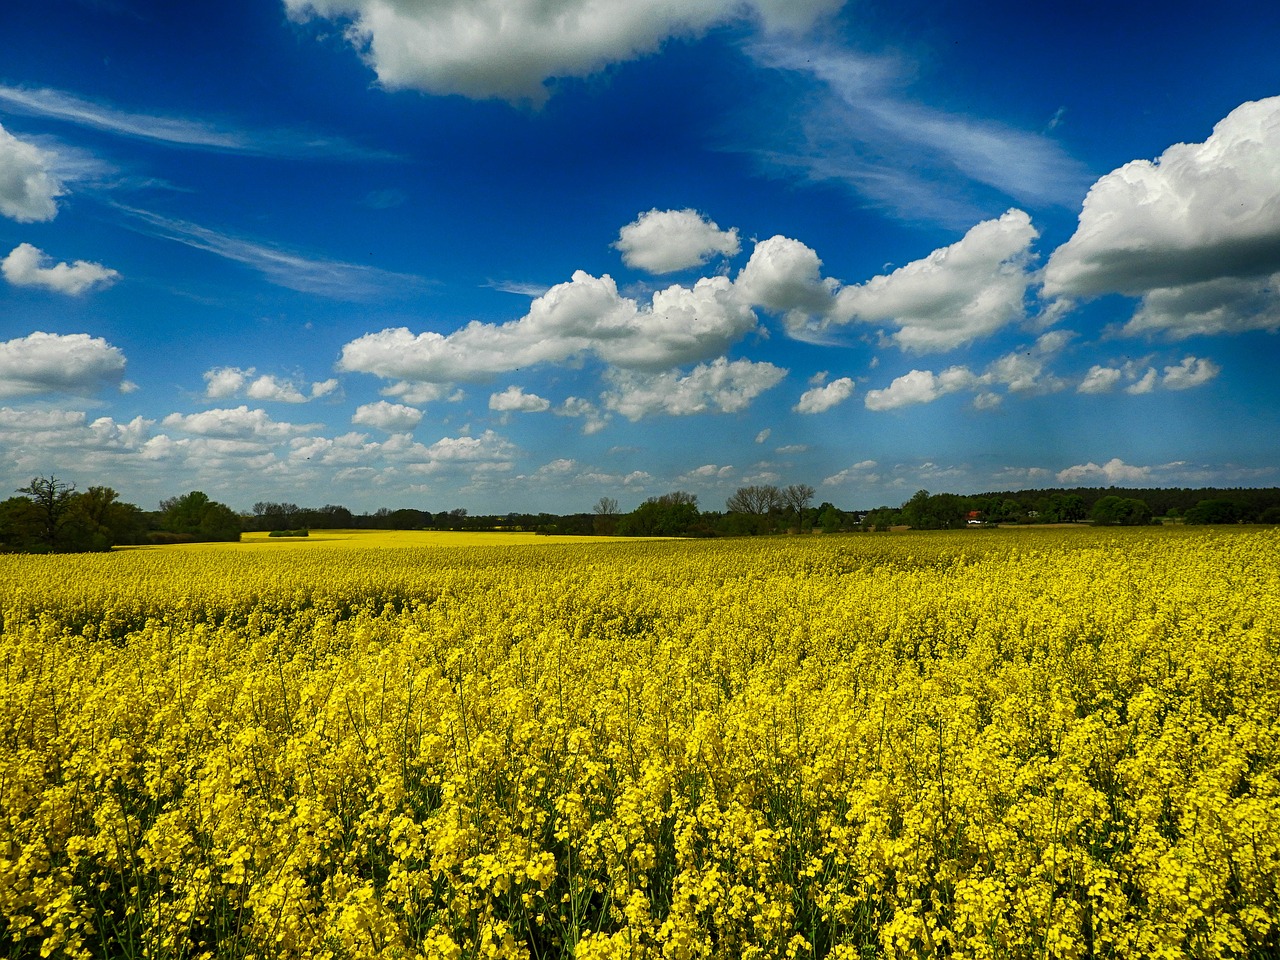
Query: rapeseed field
x=1054 y=743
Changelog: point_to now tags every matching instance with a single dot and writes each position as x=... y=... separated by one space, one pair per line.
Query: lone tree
x=753 y=509
x=606 y=515
x=53 y=500
x=797 y=497
x=757 y=500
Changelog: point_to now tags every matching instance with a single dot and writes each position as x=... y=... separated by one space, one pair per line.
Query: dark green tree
x=882 y=518
x=101 y=520
x=1112 y=511
x=670 y=515
x=915 y=512
x=934 y=512
x=19 y=525
x=1214 y=511
x=1070 y=508
x=829 y=518
x=406 y=518
x=195 y=515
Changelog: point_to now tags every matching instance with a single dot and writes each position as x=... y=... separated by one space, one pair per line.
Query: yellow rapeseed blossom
x=985 y=744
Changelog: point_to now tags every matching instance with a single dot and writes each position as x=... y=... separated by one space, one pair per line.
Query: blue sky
x=518 y=255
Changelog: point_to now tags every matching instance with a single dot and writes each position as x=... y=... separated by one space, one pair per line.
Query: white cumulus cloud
x=325 y=388
x=585 y=316
x=392 y=417
x=28 y=266
x=557 y=469
x=919 y=386
x=955 y=295
x=1144 y=384
x=706 y=472
x=488 y=449
x=862 y=472
x=1099 y=379
x=784 y=276
x=1140 y=376
x=418 y=393
x=233 y=424
x=1223 y=305
x=34 y=437
x=819 y=399
x=514 y=399
x=1023 y=370
x=211 y=453
x=270 y=387
x=221 y=383
x=508 y=48
x=59 y=363
x=1114 y=471
x=1195 y=232
x=663 y=241
x=722 y=385
x=29 y=187
x=594 y=420
x=1191 y=372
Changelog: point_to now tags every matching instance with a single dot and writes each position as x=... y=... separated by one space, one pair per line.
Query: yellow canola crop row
x=974 y=744
x=383 y=539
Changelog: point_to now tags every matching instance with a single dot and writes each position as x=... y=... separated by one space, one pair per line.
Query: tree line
x=1101 y=506
x=49 y=515
x=765 y=509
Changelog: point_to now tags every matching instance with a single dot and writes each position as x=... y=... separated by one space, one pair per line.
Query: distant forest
x=51 y=516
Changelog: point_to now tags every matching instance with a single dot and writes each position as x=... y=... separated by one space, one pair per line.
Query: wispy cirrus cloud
x=294 y=271
x=182 y=132
x=518 y=287
x=856 y=125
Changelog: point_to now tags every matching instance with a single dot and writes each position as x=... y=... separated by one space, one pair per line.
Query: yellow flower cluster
x=1050 y=743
